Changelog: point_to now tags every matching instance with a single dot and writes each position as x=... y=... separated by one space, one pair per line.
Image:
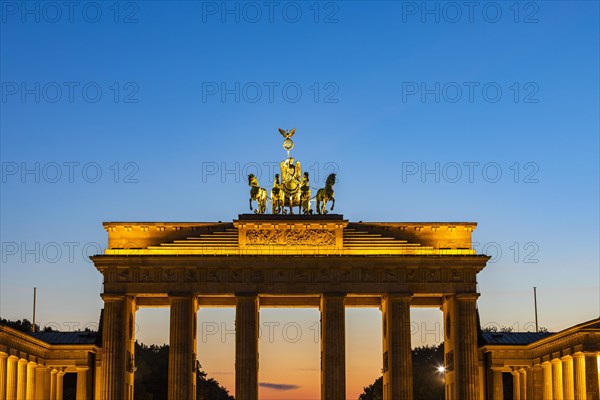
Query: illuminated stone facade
x=319 y=261
x=33 y=365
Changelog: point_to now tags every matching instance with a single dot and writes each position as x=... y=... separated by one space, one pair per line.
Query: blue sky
x=162 y=98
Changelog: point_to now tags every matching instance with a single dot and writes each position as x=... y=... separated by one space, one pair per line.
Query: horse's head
x=252 y=181
x=330 y=181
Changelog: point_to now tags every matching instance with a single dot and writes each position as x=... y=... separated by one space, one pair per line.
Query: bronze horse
x=325 y=194
x=257 y=193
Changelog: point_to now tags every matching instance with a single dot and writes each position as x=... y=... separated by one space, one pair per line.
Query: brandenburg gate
x=290 y=260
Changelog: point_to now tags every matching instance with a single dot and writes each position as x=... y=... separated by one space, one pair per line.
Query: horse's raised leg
x=332 y=203
x=250 y=201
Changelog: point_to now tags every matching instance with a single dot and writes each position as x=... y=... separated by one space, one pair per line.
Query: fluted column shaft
x=523 y=387
x=246 y=347
x=47 y=383
x=30 y=389
x=591 y=377
x=529 y=384
x=118 y=343
x=567 y=370
x=516 y=385
x=40 y=388
x=3 y=373
x=547 y=368
x=59 y=385
x=82 y=384
x=53 y=384
x=537 y=386
x=333 y=347
x=466 y=362
x=182 y=352
x=557 y=379
x=397 y=355
x=22 y=379
x=579 y=372
x=11 y=377
x=498 y=389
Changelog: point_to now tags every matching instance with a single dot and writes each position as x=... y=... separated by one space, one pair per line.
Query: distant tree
x=23 y=325
x=151 y=376
x=373 y=391
x=495 y=329
x=428 y=382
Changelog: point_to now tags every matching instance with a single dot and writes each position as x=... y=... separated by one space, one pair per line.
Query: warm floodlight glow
x=441 y=369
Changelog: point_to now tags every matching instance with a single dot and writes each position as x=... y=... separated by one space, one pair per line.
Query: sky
x=427 y=111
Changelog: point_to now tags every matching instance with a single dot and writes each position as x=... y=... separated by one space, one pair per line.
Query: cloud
x=278 y=386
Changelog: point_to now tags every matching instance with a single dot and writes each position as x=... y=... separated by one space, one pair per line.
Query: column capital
x=331 y=295
x=556 y=361
x=246 y=295
x=182 y=296
x=23 y=361
x=112 y=297
x=398 y=296
x=3 y=355
x=466 y=296
x=579 y=354
x=566 y=357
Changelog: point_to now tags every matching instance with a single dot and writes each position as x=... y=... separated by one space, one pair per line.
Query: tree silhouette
x=428 y=382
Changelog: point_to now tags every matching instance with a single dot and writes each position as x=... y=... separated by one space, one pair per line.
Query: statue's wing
x=282 y=169
x=292 y=133
x=282 y=132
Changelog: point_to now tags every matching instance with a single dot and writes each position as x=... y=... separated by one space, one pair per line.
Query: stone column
x=523 y=384
x=53 y=384
x=11 y=377
x=498 y=389
x=47 y=383
x=3 y=373
x=568 y=386
x=59 y=384
x=537 y=384
x=397 y=353
x=466 y=361
x=591 y=376
x=22 y=379
x=30 y=390
x=182 y=353
x=246 y=346
x=118 y=340
x=40 y=388
x=82 y=389
x=516 y=385
x=333 y=347
x=547 y=370
x=579 y=372
x=557 y=379
x=529 y=384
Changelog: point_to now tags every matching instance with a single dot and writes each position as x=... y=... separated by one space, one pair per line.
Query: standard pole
x=34 y=296
x=535 y=306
